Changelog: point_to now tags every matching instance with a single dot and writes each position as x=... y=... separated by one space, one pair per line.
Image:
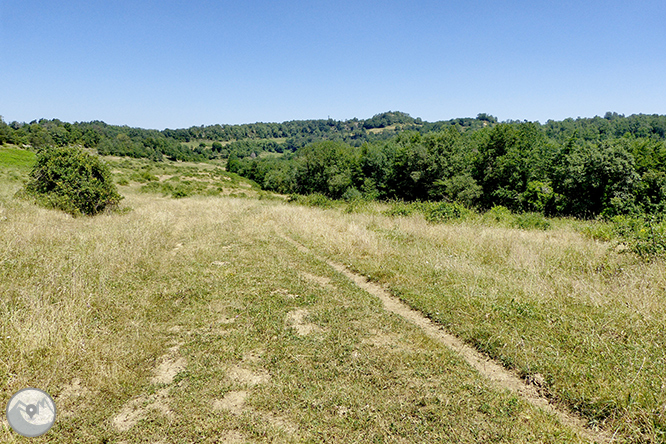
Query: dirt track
x=489 y=368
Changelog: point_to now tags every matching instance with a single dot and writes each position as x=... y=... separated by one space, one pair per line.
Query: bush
x=437 y=212
x=399 y=208
x=356 y=206
x=499 y=214
x=181 y=190
x=599 y=230
x=311 y=200
x=143 y=177
x=72 y=180
x=644 y=237
x=531 y=221
x=351 y=194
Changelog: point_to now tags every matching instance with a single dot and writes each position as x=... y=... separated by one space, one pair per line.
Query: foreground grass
x=192 y=320
x=584 y=322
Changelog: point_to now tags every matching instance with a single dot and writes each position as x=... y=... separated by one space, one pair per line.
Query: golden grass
x=92 y=308
x=96 y=309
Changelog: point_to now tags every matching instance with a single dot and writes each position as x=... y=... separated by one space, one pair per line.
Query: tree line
x=218 y=141
x=583 y=167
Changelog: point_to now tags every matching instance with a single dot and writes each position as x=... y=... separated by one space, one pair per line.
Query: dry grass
x=553 y=304
x=192 y=320
x=96 y=309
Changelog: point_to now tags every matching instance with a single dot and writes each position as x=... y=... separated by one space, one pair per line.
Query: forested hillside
x=207 y=142
x=582 y=167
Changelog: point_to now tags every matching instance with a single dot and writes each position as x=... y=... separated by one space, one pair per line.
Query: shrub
x=599 y=230
x=72 y=180
x=437 y=212
x=499 y=214
x=143 y=177
x=530 y=221
x=316 y=200
x=181 y=191
x=356 y=206
x=399 y=208
x=311 y=200
x=351 y=194
x=644 y=237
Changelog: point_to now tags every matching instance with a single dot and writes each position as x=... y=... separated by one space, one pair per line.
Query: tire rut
x=492 y=370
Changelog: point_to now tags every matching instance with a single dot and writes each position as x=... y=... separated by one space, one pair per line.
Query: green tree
x=325 y=167
x=591 y=178
x=509 y=157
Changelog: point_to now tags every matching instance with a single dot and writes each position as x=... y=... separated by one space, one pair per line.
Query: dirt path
x=489 y=368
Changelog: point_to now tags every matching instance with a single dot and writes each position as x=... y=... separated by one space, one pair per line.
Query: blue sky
x=174 y=64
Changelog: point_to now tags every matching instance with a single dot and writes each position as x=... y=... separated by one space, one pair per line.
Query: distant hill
x=219 y=141
x=213 y=141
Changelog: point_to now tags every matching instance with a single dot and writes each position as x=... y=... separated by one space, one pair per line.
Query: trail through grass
x=585 y=322
x=193 y=320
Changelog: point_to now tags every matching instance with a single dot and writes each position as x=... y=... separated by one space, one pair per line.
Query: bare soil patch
x=136 y=409
x=248 y=377
x=233 y=401
x=297 y=320
x=232 y=437
x=72 y=397
x=171 y=364
x=319 y=280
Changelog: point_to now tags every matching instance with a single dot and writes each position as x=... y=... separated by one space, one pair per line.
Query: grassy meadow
x=187 y=317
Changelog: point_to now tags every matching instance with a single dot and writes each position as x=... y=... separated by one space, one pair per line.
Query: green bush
x=356 y=206
x=532 y=221
x=156 y=187
x=181 y=190
x=644 y=237
x=143 y=177
x=351 y=194
x=599 y=230
x=72 y=180
x=499 y=214
x=438 y=212
x=315 y=200
x=399 y=208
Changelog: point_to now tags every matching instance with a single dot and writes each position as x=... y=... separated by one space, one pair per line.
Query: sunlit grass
x=95 y=303
x=91 y=306
x=555 y=304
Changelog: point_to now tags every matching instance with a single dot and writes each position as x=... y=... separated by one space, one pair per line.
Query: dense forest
x=582 y=167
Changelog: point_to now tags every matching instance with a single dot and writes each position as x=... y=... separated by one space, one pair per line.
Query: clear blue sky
x=169 y=63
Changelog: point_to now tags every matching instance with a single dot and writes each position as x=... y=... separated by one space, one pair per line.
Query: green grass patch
x=11 y=157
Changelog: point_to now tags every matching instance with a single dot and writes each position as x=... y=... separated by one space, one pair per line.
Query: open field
x=200 y=319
